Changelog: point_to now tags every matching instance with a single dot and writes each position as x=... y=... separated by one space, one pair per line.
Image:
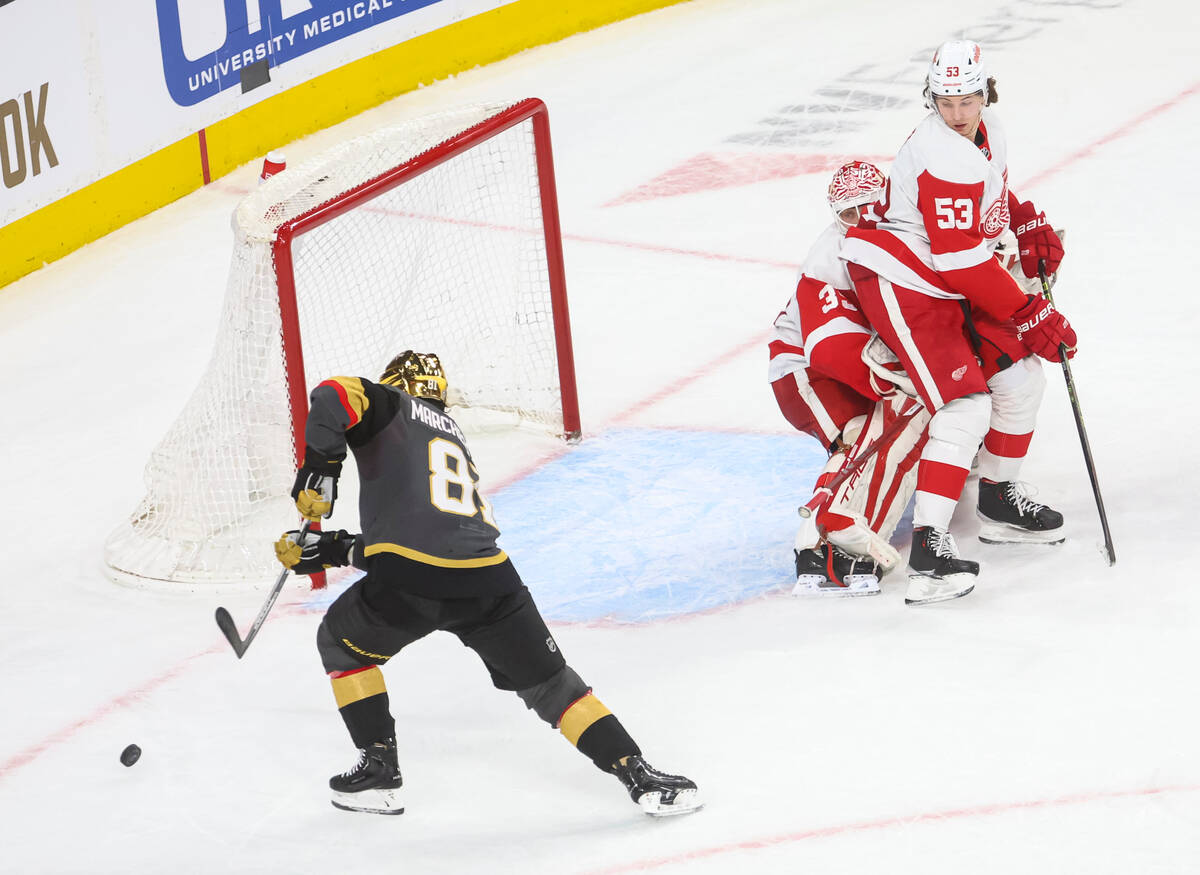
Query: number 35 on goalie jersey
x=821 y=327
x=419 y=491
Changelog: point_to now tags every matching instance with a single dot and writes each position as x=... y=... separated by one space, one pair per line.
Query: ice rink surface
x=1046 y=723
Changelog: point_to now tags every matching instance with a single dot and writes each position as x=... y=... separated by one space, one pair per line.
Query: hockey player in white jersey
x=825 y=389
x=965 y=331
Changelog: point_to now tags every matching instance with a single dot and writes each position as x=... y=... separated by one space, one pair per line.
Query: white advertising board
x=88 y=87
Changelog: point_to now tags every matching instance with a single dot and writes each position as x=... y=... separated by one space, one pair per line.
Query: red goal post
x=533 y=110
x=439 y=234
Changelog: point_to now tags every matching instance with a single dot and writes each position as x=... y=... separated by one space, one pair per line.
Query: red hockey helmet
x=853 y=185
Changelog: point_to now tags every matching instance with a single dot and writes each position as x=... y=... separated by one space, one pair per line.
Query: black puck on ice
x=130 y=755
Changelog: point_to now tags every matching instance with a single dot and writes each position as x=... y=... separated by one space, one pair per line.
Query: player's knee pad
x=957 y=429
x=333 y=656
x=551 y=697
x=1016 y=396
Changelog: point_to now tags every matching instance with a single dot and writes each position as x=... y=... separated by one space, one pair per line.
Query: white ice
x=1046 y=723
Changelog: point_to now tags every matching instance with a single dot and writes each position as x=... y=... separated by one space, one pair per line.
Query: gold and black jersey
x=419 y=496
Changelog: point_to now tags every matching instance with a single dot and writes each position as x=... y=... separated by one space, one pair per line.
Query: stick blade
x=229 y=630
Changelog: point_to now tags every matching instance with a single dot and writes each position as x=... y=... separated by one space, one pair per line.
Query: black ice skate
x=1010 y=516
x=830 y=571
x=373 y=784
x=935 y=573
x=659 y=795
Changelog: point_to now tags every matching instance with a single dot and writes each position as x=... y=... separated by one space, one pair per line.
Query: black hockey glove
x=315 y=489
x=314 y=552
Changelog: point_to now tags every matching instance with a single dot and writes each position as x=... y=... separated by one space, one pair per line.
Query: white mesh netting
x=451 y=261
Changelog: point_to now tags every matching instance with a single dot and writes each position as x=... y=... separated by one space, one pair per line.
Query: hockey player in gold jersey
x=429 y=549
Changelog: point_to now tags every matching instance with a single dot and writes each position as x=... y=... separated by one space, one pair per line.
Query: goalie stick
x=229 y=628
x=1083 y=438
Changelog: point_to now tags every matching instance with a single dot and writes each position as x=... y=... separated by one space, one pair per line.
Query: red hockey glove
x=1043 y=329
x=1035 y=238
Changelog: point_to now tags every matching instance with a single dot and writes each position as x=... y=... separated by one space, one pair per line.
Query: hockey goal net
x=439 y=235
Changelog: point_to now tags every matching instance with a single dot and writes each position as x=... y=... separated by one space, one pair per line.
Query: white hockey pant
x=955 y=433
x=1016 y=396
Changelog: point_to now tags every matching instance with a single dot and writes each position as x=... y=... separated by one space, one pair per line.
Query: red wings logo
x=995 y=220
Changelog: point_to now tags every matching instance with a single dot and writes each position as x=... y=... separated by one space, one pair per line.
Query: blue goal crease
x=637 y=525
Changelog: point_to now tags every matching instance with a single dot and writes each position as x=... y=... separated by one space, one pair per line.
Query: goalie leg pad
x=867 y=507
x=809 y=536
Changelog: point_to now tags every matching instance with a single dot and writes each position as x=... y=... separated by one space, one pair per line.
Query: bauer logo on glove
x=1044 y=330
x=1036 y=240
x=314 y=552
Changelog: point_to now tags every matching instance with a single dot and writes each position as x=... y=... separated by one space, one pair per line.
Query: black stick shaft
x=225 y=621
x=1083 y=438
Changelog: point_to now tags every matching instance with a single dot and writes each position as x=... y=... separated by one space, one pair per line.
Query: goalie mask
x=419 y=374
x=854 y=185
x=956 y=70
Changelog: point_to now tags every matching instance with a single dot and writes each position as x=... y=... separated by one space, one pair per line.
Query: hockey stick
x=229 y=628
x=1083 y=438
x=824 y=494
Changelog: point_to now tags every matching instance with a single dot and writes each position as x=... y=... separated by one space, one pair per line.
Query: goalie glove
x=1036 y=240
x=887 y=375
x=314 y=552
x=315 y=489
x=1044 y=330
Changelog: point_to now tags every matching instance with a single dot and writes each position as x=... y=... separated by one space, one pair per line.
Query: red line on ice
x=32 y=752
x=675 y=250
x=677 y=386
x=985 y=810
x=578 y=238
x=26 y=756
x=712 y=171
x=1125 y=129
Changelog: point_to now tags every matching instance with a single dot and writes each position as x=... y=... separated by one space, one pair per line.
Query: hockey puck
x=130 y=755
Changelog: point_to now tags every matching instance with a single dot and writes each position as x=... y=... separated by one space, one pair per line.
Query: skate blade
x=810 y=586
x=992 y=532
x=369 y=802
x=924 y=590
x=686 y=801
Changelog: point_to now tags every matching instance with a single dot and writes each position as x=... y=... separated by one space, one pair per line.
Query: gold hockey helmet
x=419 y=374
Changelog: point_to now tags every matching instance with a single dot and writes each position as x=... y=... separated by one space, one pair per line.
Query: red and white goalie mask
x=853 y=186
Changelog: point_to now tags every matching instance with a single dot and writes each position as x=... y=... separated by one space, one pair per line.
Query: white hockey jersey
x=946 y=205
x=821 y=326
